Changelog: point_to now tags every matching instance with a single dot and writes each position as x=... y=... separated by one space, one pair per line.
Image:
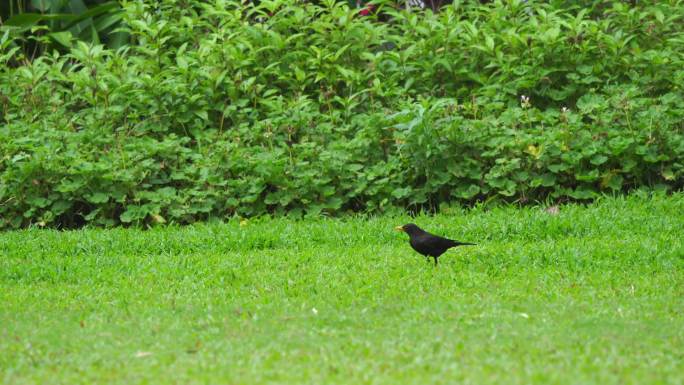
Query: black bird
x=427 y=244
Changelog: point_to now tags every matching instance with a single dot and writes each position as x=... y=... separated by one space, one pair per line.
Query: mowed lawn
x=592 y=295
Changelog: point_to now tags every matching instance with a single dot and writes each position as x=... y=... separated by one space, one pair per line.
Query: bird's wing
x=433 y=243
x=445 y=242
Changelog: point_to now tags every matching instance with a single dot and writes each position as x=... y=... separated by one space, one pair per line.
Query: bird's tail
x=464 y=244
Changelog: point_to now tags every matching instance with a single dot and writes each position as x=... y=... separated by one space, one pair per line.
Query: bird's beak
x=399 y=228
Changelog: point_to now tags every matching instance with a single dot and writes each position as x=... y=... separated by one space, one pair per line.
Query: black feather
x=429 y=245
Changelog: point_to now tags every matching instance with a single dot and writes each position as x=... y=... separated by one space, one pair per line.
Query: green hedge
x=220 y=109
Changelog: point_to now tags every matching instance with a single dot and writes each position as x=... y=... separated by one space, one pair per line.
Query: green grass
x=593 y=295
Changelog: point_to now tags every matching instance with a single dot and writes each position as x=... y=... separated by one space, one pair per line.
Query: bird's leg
x=427 y=258
x=435 y=260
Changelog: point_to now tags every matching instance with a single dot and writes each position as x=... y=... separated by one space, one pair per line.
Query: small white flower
x=565 y=110
x=313 y=310
x=525 y=101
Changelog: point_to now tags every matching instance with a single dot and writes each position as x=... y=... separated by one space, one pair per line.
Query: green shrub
x=220 y=109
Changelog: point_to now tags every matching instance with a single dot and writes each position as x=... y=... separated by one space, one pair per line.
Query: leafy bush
x=220 y=109
x=42 y=25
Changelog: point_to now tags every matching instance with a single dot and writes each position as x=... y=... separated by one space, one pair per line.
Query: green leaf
x=39 y=202
x=545 y=180
x=26 y=20
x=613 y=181
x=590 y=102
x=401 y=192
x=60 y=206
x=133 y=214
x=489 y=42
x=64 y=38
x=91 y=12
x=588 y=176
x=466 y=192
x=557 y=168
x=202 y=114
x=583 y=193
x=45 y=6
x=334 y=203
x=551 y=34
x=98 y=197
x=598 y=159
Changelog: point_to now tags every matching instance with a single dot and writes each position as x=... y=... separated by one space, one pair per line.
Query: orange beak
x=399 y=228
